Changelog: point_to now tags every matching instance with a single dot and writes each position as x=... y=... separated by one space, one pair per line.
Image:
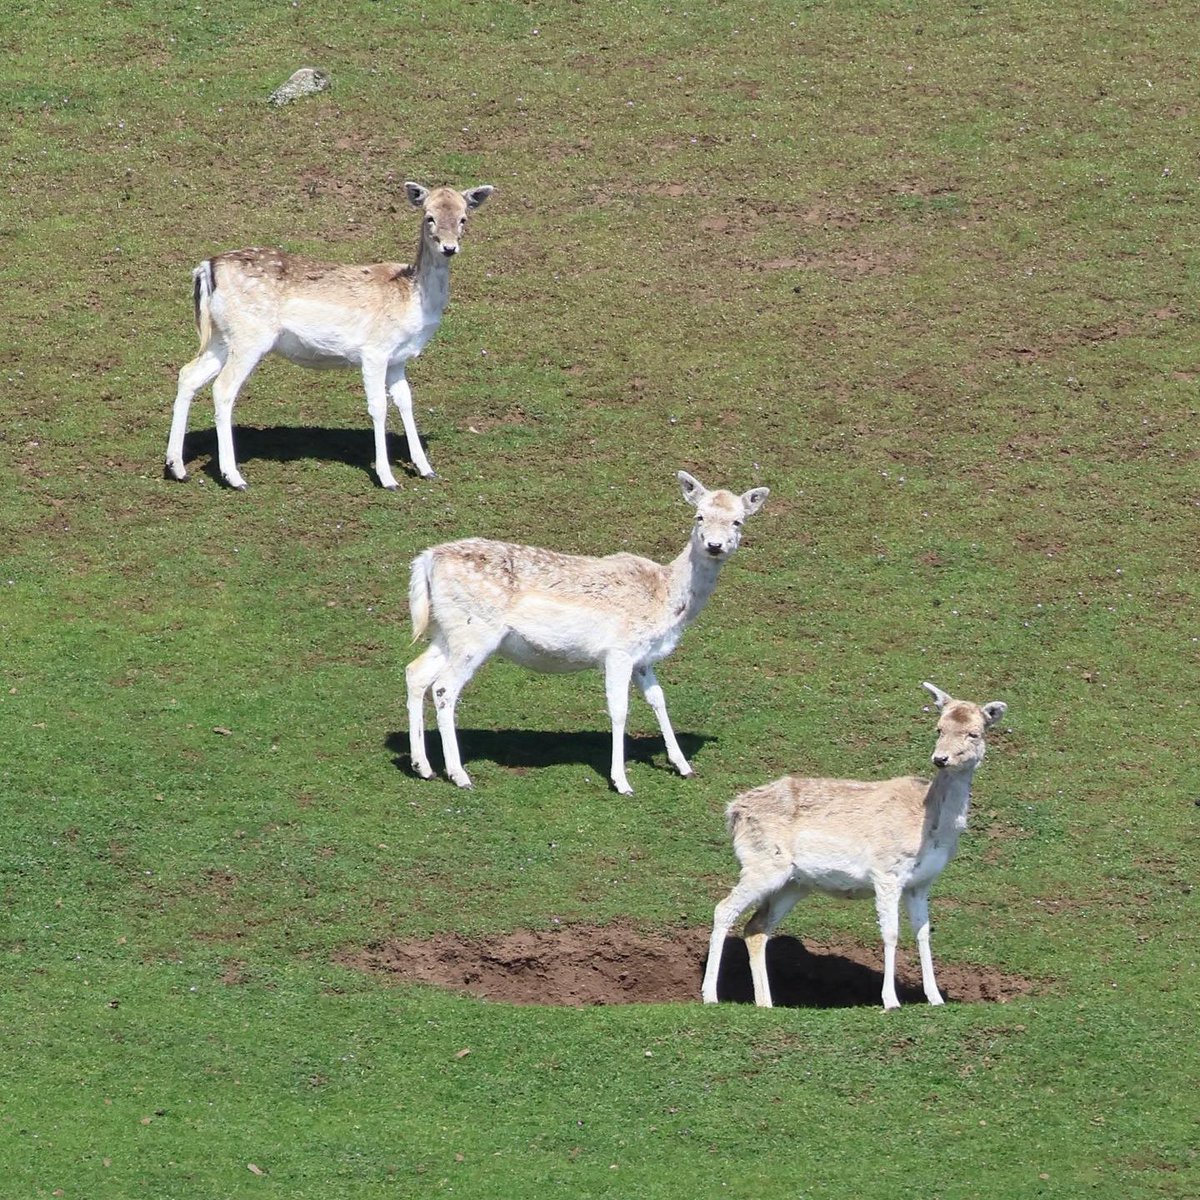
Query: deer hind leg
x=648 y=685
x=917 y=903
x=463 y=659
x=419 y=676
x=401 y=394
x=759 y=928
x=887 y=906
x=237 y=369
x=202 y=370
x=750 y=889
x=724 y=917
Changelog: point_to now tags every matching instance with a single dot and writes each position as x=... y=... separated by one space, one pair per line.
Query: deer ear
x=993 y=711
x=477 y=195
x=416 y=193
x=754 y=498
x=693 y=490
x=940 y=698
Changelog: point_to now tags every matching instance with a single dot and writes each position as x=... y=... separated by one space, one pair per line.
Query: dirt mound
x=584 y=964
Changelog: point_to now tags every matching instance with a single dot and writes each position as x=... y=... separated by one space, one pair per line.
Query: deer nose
x=450 y=251
x=940 y=759
x=715 y=547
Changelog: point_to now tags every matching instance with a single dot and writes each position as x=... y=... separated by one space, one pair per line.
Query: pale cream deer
x=563 y=612
x=890 y=838
x=251 y=303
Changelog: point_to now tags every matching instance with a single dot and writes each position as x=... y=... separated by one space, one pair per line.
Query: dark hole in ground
x=584 y=964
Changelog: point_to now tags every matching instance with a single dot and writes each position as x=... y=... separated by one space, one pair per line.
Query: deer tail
x=735 y=815
x=203 y=284
x=419 y=601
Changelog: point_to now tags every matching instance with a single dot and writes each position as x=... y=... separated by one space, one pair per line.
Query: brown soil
x=582 y=964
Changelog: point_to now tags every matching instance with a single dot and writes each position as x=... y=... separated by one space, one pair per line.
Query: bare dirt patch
x=580 y=965
x=848 y=264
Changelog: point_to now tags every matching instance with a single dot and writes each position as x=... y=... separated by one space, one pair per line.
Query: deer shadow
x=292 y=443
x=802 y=979
x=525 y=749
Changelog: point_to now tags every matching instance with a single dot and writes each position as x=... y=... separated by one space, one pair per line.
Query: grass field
x=927 y=270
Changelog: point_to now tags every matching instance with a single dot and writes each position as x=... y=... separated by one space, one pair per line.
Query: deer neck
x=948 y=803
x=431 y=279
x=693 y=578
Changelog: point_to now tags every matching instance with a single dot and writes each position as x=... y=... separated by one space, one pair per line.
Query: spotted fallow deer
x=251 y=303
x=850 y=838
x=563 y=612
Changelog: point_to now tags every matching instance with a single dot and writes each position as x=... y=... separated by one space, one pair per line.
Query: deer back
x=835 y=833
x=288 y=289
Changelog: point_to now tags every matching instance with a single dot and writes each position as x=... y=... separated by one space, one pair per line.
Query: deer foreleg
x=375 y=384
x=648 y=685
x=917 y=903
x=887 y=906
x=618 y=670
x=401 y=395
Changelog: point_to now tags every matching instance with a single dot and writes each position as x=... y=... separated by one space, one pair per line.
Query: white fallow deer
x=890 y=838
x=251 y=303
x=563 y=612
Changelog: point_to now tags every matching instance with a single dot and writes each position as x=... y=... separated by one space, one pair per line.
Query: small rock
x=305 y=82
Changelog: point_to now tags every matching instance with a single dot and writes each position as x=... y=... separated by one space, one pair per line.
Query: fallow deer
x=890 y=838
x=251 y=303
x=563 y=612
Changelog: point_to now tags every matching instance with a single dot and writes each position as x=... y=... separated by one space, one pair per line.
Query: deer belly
x=549 y=660
x=316 y=351
x=834 y=870
x=844 y=884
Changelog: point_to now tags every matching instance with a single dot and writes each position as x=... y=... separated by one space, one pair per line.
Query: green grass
x=926 y=270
